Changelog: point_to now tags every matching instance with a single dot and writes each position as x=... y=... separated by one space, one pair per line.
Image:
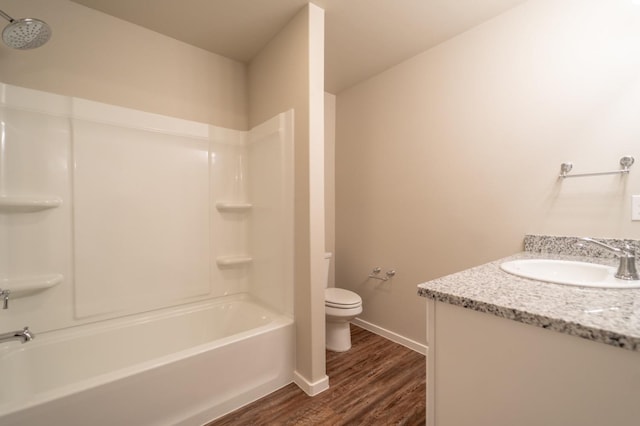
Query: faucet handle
x=629 y=250
x=27 y=335
x=5 y=298
x=621 y=252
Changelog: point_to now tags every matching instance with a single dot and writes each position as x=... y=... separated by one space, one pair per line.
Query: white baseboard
x=394 y=337
x=311 y=389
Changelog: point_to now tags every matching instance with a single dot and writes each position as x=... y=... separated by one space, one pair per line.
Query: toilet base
x=338 y=336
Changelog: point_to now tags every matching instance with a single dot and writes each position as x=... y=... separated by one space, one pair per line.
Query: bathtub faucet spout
x=23 y=336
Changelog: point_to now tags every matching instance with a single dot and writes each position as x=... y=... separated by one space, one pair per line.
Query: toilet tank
x=327 y=264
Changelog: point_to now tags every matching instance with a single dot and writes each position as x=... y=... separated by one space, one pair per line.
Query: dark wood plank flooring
x=377 y=382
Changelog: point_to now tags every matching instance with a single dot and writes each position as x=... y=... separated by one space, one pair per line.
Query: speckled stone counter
x=610 y=316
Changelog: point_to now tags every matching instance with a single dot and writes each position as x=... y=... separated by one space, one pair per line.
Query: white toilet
x=340 y=307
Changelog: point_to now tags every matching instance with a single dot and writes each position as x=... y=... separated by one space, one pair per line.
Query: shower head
x=25 y=33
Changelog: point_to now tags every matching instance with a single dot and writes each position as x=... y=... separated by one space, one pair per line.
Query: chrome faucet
x=627 y=255
x=23 y=336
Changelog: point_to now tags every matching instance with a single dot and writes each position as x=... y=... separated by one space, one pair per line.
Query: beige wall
x=288 y=73
x=329 y=179
x=446 y=160
x=95 y=56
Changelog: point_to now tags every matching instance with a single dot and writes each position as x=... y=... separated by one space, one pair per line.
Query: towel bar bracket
x=389 y=274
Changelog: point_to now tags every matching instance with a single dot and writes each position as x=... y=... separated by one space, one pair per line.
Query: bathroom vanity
x=505 y=350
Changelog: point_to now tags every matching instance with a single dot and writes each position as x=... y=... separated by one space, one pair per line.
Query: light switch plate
x=635 y=207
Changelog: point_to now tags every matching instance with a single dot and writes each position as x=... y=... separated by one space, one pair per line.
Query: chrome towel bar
x=625 y=162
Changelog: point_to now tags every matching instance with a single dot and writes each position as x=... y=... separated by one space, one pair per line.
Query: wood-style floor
x=377 y=382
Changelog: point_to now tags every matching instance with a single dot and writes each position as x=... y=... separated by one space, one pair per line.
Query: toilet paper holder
x=376 y=271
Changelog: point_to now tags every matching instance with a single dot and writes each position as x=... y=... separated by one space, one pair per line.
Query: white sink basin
x=568 y=272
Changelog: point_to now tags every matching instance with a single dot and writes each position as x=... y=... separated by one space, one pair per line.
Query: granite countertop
x=610 y=316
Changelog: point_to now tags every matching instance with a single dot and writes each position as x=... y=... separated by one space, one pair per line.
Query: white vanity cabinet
x=484 y=370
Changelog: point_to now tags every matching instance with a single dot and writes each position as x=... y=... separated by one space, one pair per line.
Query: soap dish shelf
x=233 y=207
x=27 y=204
x=28 y=285
x=233 y=261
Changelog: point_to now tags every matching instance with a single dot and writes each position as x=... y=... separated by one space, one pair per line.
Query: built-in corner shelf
x=28 y=204
x=233 y=207
x=231 y=261
x=27 y=285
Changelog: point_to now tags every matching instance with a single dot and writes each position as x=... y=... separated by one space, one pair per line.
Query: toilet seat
x=341 y=299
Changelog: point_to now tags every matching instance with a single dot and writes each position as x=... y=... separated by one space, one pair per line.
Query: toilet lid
x=341 y=298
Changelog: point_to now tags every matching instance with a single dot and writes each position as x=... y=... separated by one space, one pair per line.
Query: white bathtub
x=183 y=366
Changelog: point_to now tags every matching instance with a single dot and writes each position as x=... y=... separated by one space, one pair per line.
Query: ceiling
x=362 y=37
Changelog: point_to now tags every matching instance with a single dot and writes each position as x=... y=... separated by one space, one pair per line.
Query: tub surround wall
x=269 y=156
x=128 y=189
x=154 y=211
x=444 y=161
